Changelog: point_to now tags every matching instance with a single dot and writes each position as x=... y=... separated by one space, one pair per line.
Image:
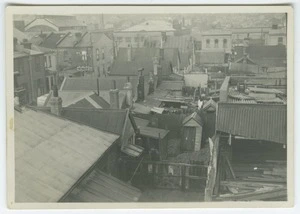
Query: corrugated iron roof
x=257 y=121
x=52 y=154
x=183 y=43
x=101 y=187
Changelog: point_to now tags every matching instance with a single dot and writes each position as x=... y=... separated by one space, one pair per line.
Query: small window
x=84 y=55
x=137 y=39
x=208 y=43
x=280 y=40
x=97 y=54
x=216 y=43
x=225 y=45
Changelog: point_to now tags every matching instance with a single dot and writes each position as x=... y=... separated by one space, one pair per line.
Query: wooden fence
x=163 y=174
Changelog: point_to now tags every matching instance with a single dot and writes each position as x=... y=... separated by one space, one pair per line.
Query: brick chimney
x=55 y=102
x=114 y=96
x=129 y=92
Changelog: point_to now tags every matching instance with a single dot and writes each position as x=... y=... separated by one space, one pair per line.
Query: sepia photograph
x=130 y=105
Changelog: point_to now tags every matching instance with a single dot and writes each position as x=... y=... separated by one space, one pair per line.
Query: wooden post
x=212 y=168
x=183 y=177
x=187 y=180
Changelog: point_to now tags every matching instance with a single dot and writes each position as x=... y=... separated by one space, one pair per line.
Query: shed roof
x=51 y=154
x=210 y=105
x=155 y=133
x=101 y=187
x=194 y=116
x=141 y=122
x=258 y=121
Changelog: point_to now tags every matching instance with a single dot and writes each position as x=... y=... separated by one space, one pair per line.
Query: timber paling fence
x=163 y=174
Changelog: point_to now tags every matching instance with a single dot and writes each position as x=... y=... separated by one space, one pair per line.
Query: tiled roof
x=258 y=121
x=141 y=58
x=51 y=154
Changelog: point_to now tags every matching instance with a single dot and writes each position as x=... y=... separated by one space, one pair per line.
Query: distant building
x=89 y=52
x=54 y=24
x=217 y=40
x=29 y=73
x=146 y=34
x=277 y=36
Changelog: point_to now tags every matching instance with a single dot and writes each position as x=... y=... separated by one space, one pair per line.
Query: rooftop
x=258 y=121
x=152 y=25
x=52 y=153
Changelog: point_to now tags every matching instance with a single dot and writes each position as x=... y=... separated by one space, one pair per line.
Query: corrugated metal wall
x=258 y=121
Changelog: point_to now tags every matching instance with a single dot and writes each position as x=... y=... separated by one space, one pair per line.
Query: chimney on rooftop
x=129 y=53
x=78 y=36
x=114 y=96
x=141 y=88
x=55 y=102
x=129 y=92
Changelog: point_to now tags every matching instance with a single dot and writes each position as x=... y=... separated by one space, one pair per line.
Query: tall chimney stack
x=114 y=96
x=55 y=102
